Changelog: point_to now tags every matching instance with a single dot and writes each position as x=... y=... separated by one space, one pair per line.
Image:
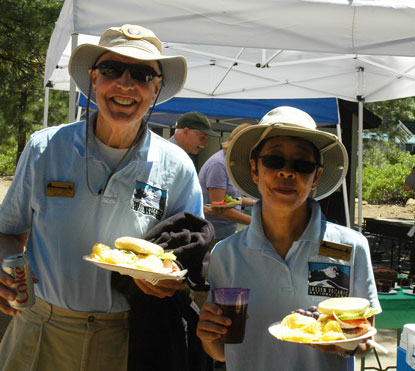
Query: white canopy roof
x=237 y=48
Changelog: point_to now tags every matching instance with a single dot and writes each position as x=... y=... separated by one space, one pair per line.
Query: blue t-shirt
x=213 y=174
x=156 y=181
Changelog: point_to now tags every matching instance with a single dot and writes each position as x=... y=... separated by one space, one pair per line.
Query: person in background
x=215 y=183
x=289 y=256
x=192 y=132
x=409 y=184
x=88 y=182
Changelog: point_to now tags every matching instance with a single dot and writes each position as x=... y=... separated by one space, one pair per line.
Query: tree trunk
x=21 y=125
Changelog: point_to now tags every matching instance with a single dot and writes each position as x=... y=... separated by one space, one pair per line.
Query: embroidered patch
x=327 y=279
x=60 y=189
x=149 y=200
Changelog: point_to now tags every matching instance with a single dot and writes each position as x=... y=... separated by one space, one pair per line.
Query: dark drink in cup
x=234 y=303
x=236 y=332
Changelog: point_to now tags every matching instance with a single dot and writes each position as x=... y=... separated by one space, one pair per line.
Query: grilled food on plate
x=135 y=253
x=333 y=319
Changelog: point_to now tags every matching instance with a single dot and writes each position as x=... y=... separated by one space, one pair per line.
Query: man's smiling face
x=123 y=100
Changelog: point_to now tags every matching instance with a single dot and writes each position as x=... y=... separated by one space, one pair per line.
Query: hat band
x=120 y=42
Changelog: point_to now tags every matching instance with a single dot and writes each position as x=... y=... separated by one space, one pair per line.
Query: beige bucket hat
x=130 y=41
x=287 y=121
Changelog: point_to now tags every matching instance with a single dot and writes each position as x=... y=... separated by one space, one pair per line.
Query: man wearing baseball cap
x=192 y=132
x=87 y=182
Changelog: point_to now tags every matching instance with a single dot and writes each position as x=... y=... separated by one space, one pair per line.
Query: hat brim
x=335 y=160
x=209 y=132
x=85 y=55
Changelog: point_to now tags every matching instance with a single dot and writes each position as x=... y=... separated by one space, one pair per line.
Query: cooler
x=406 y=349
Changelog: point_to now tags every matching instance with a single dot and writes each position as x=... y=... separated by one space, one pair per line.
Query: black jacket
x=163 y=331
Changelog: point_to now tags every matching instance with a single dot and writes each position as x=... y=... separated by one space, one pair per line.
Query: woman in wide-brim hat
x=289 y=256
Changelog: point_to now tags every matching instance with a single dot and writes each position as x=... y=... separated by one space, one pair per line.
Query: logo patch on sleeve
x=149 y=200
x=326 y=279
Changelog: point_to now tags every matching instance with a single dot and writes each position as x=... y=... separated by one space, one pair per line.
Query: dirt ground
x=4 y=185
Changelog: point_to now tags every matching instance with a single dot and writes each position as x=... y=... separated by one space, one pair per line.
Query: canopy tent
x=355 y=50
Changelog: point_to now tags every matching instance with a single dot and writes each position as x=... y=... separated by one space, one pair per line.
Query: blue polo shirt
x=278 y=286
x=156 y=181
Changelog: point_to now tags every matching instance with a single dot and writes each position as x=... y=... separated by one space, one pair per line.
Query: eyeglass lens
x=278 y=162
x=115 y=69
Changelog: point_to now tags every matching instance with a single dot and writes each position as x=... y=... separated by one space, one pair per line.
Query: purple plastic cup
x=234 y=303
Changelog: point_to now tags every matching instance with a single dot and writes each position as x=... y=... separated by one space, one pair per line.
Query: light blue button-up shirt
x=279 y=286
x=156 y=181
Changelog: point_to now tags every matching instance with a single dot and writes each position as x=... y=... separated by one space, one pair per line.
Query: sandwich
x=136 y=253
x=350 y=313
x=333 y=319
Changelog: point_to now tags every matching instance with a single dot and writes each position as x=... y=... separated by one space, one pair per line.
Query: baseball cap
x=197 y=121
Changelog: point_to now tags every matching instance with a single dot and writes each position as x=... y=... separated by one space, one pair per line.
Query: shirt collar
x=256 y=236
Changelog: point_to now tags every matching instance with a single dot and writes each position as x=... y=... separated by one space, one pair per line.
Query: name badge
x=335 y=250
x=60 y=189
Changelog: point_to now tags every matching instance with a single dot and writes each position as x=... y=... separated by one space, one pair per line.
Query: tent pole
x=344 y=185
x=46 y=108
x=360 y=100
x=359 y=163
x=72 y=88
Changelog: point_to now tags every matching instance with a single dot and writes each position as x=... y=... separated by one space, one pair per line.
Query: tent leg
x=359 y=163
x=344 y=186
x=46 y=108
x=360 y=100
x=72 y=88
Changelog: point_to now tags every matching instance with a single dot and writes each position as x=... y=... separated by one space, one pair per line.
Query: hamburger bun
x=138 y=246
x=343 y=305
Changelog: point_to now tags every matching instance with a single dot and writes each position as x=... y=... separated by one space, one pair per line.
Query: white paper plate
x=151 y=277
x=390 y=292
x=348 y=344
x=408 y=292
x=229 y=204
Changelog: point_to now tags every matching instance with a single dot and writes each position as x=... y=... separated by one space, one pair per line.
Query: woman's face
x=285 y=187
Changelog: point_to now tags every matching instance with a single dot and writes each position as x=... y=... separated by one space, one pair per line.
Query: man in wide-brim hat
x=90 y=182
x=290 y=256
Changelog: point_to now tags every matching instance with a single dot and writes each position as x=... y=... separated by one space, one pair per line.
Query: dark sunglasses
x=139 y=72
x=277 y=162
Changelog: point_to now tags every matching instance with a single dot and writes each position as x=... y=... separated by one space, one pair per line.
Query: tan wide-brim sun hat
x=130 y=41
x=287 y=121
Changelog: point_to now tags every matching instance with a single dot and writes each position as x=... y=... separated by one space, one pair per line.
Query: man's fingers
x=7 y=309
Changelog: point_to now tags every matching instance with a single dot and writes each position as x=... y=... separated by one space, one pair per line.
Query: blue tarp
x=323 y=110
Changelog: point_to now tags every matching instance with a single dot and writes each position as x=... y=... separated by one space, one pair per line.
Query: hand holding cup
x=234 y=304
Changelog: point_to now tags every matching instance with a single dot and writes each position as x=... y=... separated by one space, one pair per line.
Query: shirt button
x=91 y=319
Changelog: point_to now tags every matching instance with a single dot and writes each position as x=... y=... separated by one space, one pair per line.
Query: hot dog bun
x=138 y=246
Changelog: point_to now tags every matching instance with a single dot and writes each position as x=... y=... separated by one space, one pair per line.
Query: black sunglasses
x=277 y=162
x=139 y=72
